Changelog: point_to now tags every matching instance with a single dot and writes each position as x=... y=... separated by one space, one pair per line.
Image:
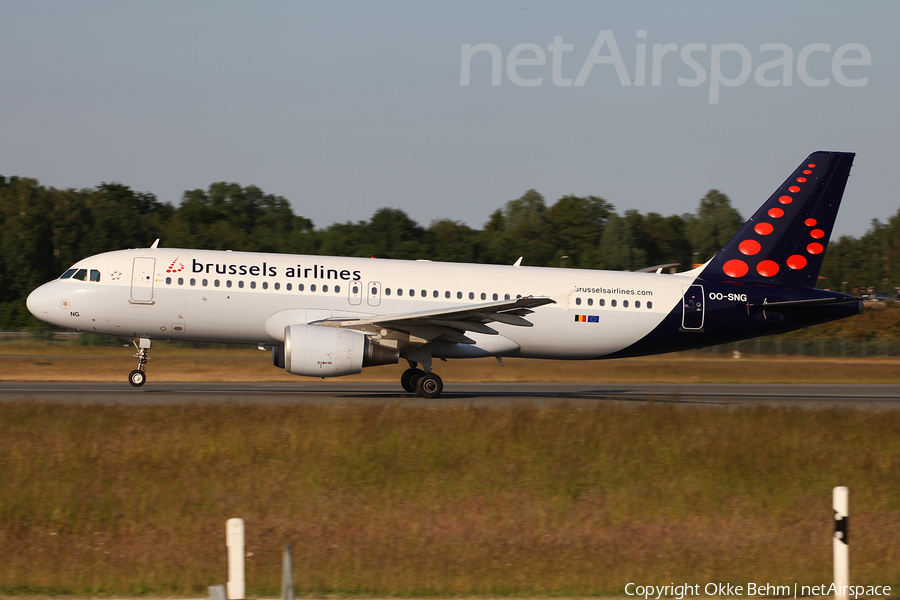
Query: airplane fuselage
x=236 y=297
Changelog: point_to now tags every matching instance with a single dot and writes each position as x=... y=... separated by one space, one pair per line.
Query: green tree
x=577 y=224
x=618 y=248
x=715 y=223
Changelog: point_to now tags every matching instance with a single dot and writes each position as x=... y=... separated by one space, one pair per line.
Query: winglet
x=155 y=244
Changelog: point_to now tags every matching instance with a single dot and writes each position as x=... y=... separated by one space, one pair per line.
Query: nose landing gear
x=137 y=378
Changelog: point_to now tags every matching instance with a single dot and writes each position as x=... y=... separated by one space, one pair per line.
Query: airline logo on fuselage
x=266 y=270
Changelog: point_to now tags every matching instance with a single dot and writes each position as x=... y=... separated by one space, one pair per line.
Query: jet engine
x=317 y=351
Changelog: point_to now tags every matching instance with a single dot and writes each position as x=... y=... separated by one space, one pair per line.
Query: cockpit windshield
x=81 y=274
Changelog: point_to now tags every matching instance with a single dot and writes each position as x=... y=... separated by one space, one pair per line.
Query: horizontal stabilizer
x=801 y=304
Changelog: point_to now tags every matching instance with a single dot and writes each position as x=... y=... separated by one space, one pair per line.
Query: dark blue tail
x=784 y=242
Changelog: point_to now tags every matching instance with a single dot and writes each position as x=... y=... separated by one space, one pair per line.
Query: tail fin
x=784 y=242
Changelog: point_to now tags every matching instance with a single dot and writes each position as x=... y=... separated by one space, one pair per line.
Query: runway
x=807 y=396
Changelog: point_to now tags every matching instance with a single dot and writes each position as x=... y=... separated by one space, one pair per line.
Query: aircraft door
x=693 y=308
x=142 y=278
x=373 y=290
x=355 y=293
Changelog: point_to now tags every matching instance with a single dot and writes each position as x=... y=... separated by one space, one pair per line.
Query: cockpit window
x=68 y=274
x=95 y=275
x=80 y=274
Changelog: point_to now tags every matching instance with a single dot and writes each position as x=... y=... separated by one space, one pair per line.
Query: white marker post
x=841 y=542
x=234 y=536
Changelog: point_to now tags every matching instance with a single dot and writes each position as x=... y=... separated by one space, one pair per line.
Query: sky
x=347 y=107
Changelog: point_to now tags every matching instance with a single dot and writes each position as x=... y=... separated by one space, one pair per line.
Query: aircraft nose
x=38 y=302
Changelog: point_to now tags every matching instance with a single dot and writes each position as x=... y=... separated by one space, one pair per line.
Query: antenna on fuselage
x=518 y=263
x=154 y=244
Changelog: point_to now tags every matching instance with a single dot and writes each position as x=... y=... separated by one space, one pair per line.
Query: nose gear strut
x=137 y=378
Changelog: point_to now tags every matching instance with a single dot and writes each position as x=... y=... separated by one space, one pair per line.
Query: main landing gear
x=416 y=381
x=137 y=378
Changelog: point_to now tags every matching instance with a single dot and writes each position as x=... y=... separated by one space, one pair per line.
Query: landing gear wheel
x=409 y=379
x=429 y=386
x=137 y=378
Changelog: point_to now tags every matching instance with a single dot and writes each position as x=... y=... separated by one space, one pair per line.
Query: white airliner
x=328 y=316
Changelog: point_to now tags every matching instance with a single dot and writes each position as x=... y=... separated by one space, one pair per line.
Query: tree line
x=44 y=230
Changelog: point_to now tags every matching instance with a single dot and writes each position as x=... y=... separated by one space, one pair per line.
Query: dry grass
x=390 y=501
x=247 y=365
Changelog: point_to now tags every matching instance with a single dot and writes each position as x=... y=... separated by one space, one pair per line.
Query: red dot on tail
x=735 y=268
x=785 y=199
x=763 y=228
x=794 y=188
x=815 y=248
x=817 y=234
x=810 y=222
x=776 y=213
x=796 y=262
x=801 y=179
x=807 y=172
x=749 y=247
x=767 y=268
x=811 y=165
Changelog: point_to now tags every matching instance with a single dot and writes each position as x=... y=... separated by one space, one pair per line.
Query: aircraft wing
x=446 y=324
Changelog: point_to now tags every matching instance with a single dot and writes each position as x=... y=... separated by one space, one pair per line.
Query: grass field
x=392 y=501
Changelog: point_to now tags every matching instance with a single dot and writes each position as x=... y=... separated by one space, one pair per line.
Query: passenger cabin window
x=181 y=281
x=216 y=283
x=471 y=295
x=399 y=291
x=287 y=286
x=494 y=296
x=277 y=286
x=95 y=275
x=68 y=274
x=193 y=281
x=299 y=287
x=325 y=288
x=265 y=285
x=228 y=283
x=168 y=281
x=252 y=285
x=240 y=283
x=204 y=283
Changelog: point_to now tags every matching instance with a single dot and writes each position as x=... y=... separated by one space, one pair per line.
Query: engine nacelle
x=317 y=351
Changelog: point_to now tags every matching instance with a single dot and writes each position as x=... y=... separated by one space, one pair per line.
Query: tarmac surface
x=806 y=396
